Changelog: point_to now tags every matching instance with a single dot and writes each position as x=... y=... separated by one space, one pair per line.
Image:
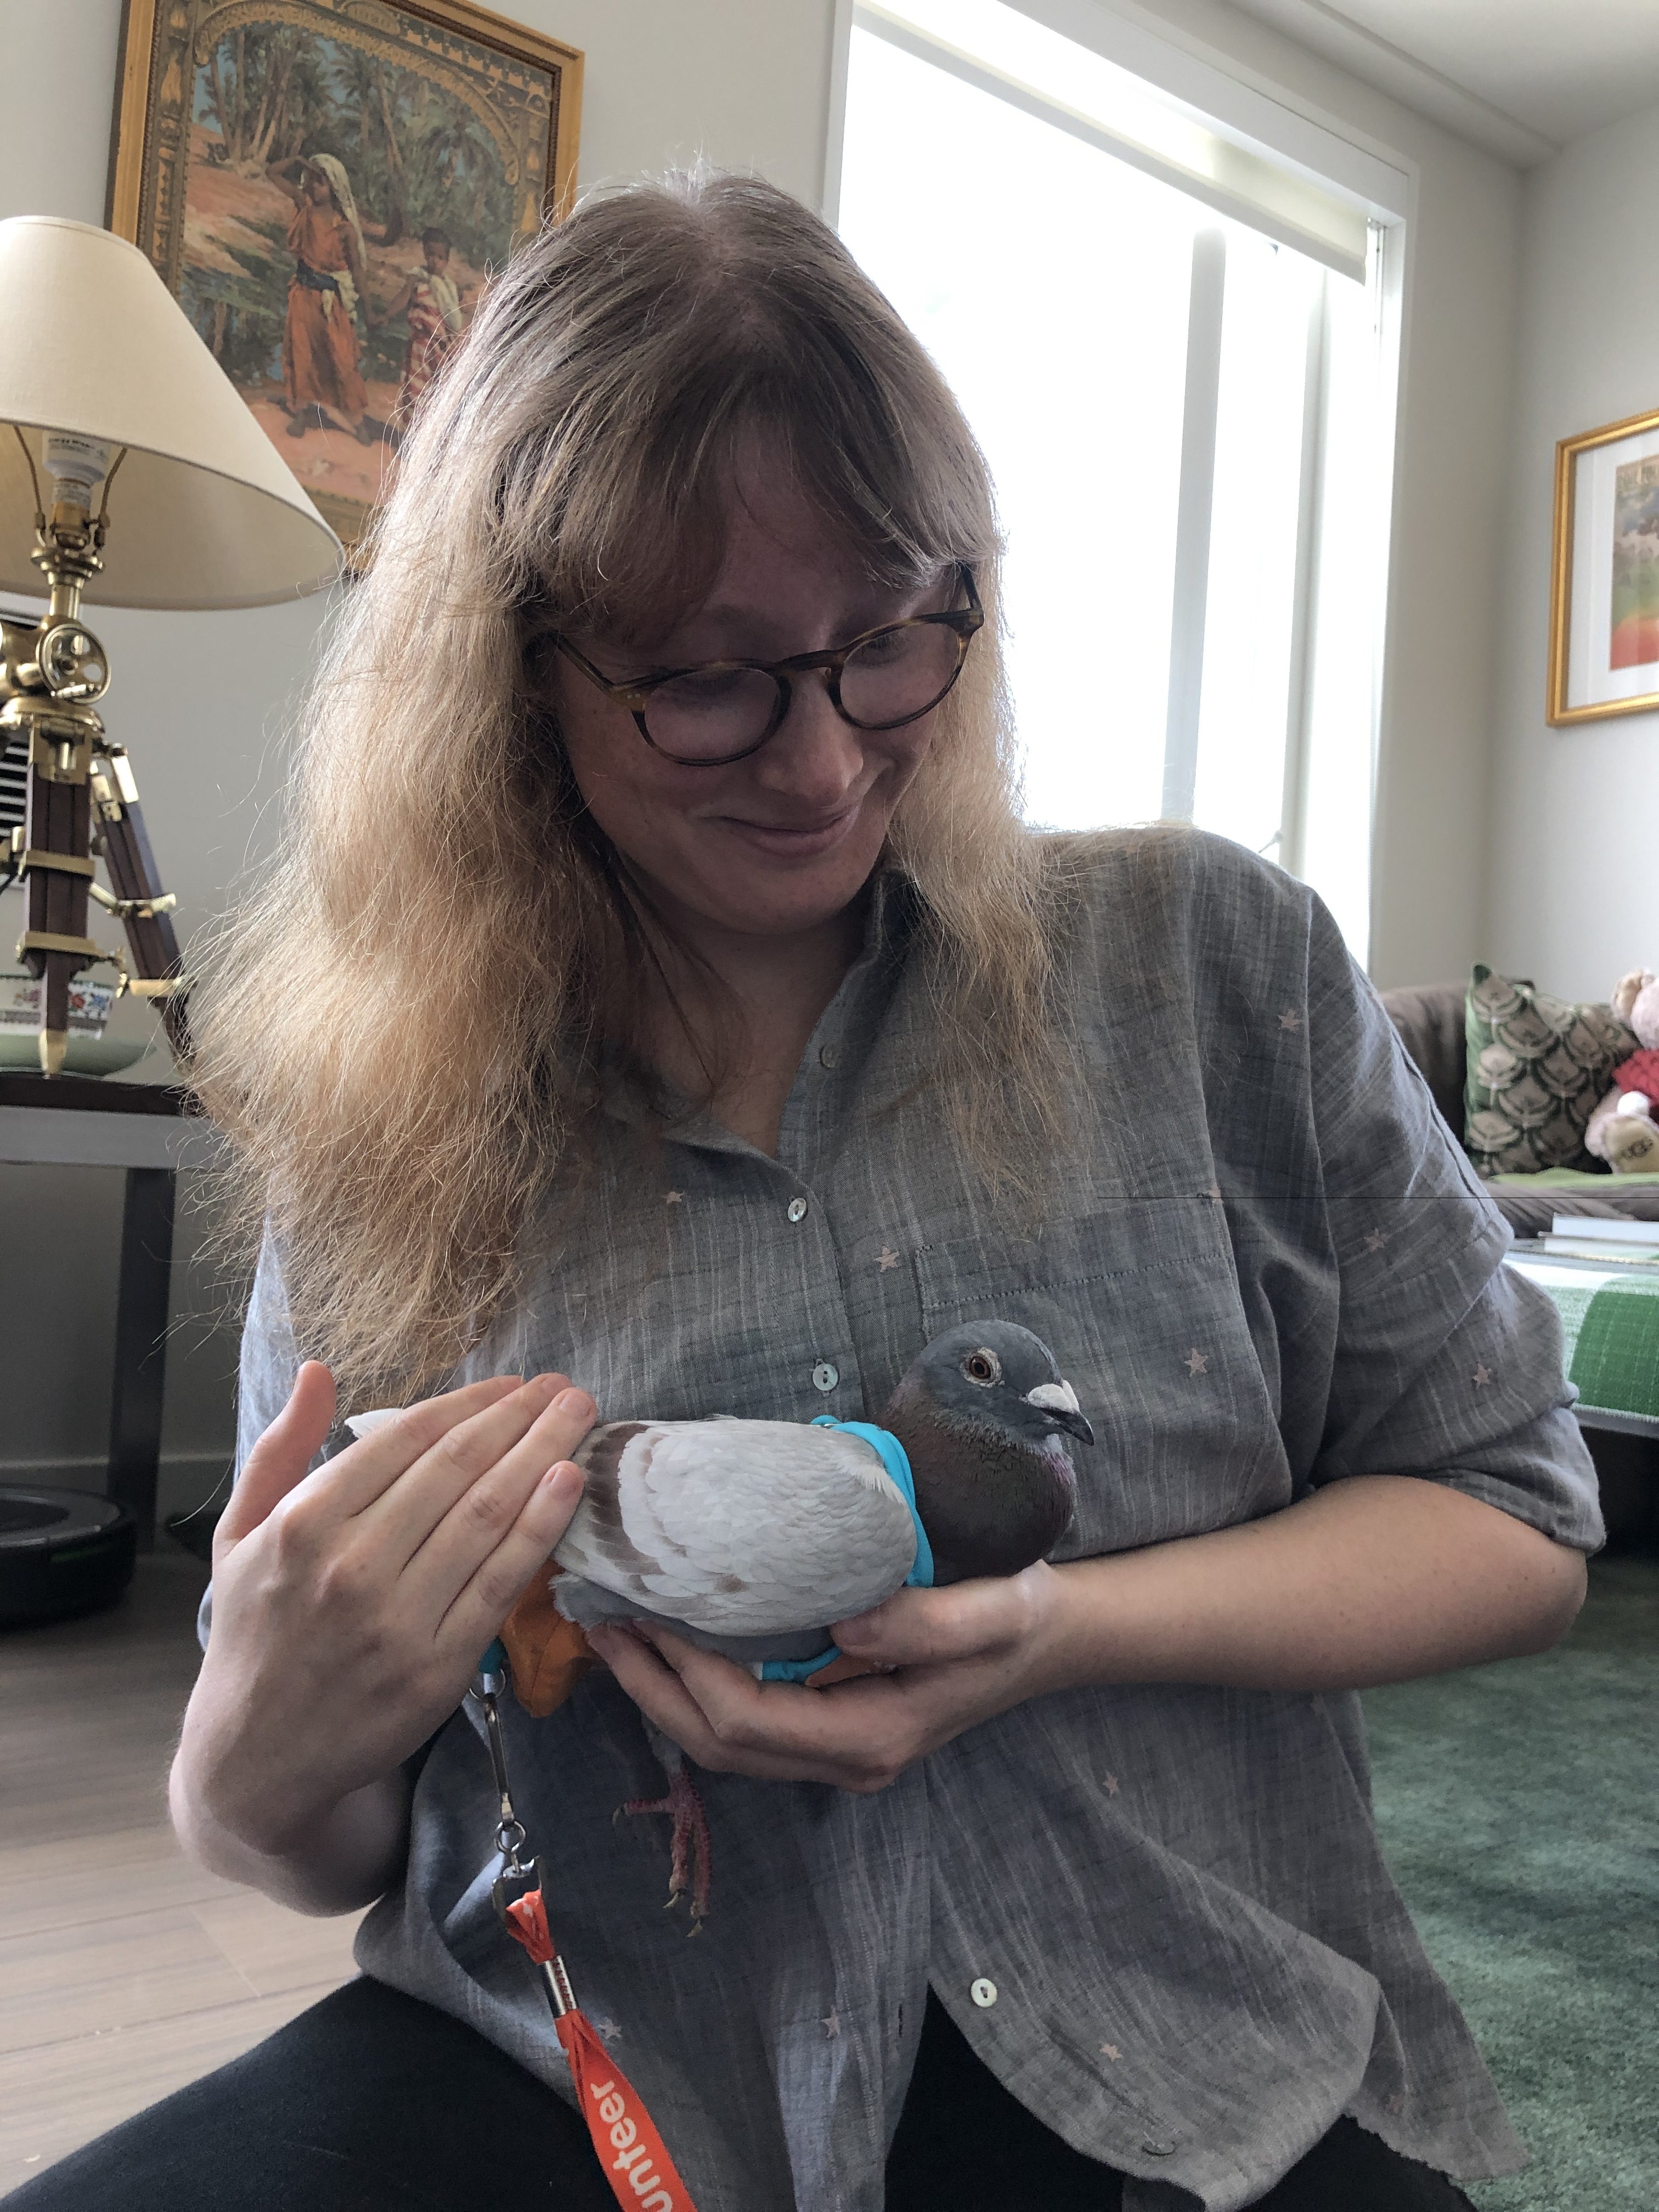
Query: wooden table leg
x=141 y=1345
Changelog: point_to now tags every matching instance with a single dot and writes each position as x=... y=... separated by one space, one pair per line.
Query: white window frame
x=1305 y=150
x=1295 y=143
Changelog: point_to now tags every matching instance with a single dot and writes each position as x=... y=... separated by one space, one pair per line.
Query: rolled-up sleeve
x=1448 y=1364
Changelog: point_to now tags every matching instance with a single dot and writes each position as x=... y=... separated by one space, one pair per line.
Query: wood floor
x=124 y=1971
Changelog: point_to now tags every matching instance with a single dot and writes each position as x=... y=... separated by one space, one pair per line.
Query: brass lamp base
x=81 y=798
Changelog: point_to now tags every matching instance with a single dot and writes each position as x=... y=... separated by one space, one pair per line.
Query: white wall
x=201 y=699
x=1574 y=891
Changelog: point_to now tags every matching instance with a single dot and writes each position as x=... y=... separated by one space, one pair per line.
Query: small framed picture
x=1604 y=597
x=325 y=187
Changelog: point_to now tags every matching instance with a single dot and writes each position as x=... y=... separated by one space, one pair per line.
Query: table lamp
x=132 y=474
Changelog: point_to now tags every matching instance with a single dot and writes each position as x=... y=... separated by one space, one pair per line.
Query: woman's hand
x=351 y=1606
x=1371 y=1579
x=949 y=1658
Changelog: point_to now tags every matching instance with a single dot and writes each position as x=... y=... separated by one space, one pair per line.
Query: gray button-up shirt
x=1263 y=1265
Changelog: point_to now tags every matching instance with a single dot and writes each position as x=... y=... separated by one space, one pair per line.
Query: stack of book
x=1589 y=1236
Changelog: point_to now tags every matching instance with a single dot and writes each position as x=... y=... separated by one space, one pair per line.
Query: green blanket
x=1611 y=1329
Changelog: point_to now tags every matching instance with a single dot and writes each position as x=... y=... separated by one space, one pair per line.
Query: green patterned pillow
x=1537 y=1066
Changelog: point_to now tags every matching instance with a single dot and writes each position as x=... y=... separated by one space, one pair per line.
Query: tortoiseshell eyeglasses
x=724 y=710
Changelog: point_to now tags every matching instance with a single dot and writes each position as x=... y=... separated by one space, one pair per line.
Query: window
x=1169 y=348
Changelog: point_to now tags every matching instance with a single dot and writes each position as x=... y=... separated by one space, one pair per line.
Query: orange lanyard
x=642 y=2174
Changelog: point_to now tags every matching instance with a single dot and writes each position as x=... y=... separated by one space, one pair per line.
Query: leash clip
x=485 y=1693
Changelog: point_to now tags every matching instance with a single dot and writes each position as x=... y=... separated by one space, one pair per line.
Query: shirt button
x=829 y=1055
x=797 y=1209
x=1155 y=2146
x=983 y=1993
x=825 y=1376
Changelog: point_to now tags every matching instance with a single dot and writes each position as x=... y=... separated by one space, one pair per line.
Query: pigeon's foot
x=690 y=1865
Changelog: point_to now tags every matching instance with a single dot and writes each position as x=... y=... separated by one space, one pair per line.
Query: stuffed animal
x=1624 y=1130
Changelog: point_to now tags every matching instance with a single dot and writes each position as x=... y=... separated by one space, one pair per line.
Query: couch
x=1430 y=1019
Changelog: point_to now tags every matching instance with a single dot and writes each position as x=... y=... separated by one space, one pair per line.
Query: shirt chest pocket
x=1140 y=1303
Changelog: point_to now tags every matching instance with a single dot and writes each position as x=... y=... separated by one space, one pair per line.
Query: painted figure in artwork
x=322 y=374
x=432 y=301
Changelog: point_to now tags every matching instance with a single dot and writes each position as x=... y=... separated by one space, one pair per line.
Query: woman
x=696 y=1039
x=322 y=377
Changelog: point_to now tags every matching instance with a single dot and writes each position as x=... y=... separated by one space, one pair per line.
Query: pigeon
x=747 y=1538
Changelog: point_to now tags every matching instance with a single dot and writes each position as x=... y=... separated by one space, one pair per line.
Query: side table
x=151 y=1131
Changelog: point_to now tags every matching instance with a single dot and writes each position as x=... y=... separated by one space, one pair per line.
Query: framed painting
x=326 y=186
x=1604 y=599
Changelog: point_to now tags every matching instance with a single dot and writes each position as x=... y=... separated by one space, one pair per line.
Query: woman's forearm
x=1371 y=1579
x=353 y=1854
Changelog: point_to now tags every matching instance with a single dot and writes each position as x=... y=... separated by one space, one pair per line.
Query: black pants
x=373 y=2102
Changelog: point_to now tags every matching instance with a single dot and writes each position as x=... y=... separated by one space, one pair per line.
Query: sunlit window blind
x=1183 y=416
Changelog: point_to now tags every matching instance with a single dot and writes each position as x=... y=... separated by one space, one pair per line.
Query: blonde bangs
x=400 y=1028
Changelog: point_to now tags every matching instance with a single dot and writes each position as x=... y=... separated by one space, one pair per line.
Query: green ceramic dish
x=90 y=1052
x=87 y=1055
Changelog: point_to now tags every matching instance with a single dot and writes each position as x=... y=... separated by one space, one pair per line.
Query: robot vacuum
x=61 y=1551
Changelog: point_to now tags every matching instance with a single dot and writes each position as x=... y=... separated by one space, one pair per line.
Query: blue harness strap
x=892 y=1456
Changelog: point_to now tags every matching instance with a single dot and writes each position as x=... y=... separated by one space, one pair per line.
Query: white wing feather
x=745 y=1528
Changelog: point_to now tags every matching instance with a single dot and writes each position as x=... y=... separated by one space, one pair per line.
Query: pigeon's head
x=984 y=1415
x=994 y=1373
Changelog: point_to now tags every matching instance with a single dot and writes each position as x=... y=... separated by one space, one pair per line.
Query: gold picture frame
x=1604 y=575
x=326 y=186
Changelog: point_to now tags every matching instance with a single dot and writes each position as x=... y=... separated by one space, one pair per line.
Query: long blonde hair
x=399 y=1029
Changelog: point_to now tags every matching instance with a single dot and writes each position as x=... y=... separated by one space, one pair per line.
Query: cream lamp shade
x=203 y=513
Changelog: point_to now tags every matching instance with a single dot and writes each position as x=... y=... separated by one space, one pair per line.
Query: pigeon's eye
x=982 y=1367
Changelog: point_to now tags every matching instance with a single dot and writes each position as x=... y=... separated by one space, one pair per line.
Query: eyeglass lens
x=894 y=677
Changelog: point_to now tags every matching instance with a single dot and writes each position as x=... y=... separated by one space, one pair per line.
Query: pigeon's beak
x=1059 y=1401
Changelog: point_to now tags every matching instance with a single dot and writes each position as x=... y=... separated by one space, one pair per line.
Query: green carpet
x=1518 y=1807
